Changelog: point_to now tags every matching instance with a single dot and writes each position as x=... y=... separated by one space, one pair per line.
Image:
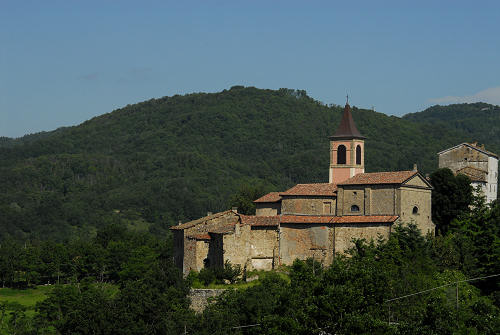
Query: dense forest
x=85 y=210
x=124 y=282
x=479 y=121
x=151 y=164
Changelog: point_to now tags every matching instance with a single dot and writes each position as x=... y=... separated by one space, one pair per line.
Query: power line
x=438 y=287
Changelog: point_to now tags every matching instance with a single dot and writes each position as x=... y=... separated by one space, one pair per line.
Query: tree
x=451 y=197
x=247 y=193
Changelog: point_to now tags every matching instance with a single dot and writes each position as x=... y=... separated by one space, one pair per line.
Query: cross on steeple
x=347 y=96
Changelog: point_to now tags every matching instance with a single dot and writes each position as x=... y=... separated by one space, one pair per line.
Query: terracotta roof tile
x=307 y=219
x=324 y=219
x=200 y=220
x=473 y=173
x=260 y=221
x=270 y=197
x=319 y=189
x=366 y=219
x=396 y=177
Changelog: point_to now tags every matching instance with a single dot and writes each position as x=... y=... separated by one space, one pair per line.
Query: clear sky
x=63 y=62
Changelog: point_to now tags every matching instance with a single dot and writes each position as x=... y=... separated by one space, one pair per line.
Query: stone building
x=310 y=220
x=480 y=165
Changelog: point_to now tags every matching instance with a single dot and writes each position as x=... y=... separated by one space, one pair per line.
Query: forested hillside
x=479 y=121
x=151 y=164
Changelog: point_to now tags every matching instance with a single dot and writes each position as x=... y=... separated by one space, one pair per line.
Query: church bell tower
x=347 y=150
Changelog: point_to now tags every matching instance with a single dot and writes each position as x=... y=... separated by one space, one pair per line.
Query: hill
x=151 y=164
x=478 y=121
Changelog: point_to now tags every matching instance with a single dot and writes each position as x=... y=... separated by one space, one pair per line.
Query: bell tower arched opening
x=358 y=155
x=346 y=150
x=341 y=154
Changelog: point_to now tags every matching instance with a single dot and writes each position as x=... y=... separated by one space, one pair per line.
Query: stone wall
x=371 y=200
x=349 y=197
x=236 y=246
x=189 y=261
x=308 y=205
x=464 y=156
x=264 y=248
x=268 y=209
x=194 y=252
x=344 y=233
x=461 y=157
x=253 y=248
x=201 y=253
x=304 y=241
x=214 y=223
x=383 y=200
x=201 y=298
x=420 y=199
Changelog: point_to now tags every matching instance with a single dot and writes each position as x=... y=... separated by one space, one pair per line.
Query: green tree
x=451 y=197
x=247 y=193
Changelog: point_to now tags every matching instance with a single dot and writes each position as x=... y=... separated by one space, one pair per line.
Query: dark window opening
x=358 y=155
x=354 y=208
x=415 y=210
x=341 y=154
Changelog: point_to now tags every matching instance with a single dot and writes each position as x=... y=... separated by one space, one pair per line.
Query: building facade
x=474 y=161
x=310 y=220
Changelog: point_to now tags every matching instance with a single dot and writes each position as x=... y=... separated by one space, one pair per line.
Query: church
x=310 y=220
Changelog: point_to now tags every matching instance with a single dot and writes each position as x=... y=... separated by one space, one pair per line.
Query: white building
x=480 y=165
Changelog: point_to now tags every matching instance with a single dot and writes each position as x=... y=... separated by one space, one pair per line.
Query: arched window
x=341 y=154
x=415 y=210
x=358 y=155
x=354 y=208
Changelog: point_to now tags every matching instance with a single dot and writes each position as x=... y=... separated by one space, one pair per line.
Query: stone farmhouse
x=310 y=220
x=480 y=165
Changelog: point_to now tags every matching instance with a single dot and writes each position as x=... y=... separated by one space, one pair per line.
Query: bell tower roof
x=347 y=128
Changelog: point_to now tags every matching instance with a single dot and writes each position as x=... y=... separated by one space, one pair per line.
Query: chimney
x=415 y=167
x=180 y=222
x=209 y=213
x=235 y=209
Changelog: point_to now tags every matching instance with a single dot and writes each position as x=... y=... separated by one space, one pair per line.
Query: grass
x=241 y=284
x=27 y=297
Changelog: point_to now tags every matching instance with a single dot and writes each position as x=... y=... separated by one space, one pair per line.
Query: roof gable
x=202 y=220
x=417 y=180
x=472 y=146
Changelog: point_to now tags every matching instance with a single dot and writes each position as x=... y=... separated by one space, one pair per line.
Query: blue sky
x=63 y=62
